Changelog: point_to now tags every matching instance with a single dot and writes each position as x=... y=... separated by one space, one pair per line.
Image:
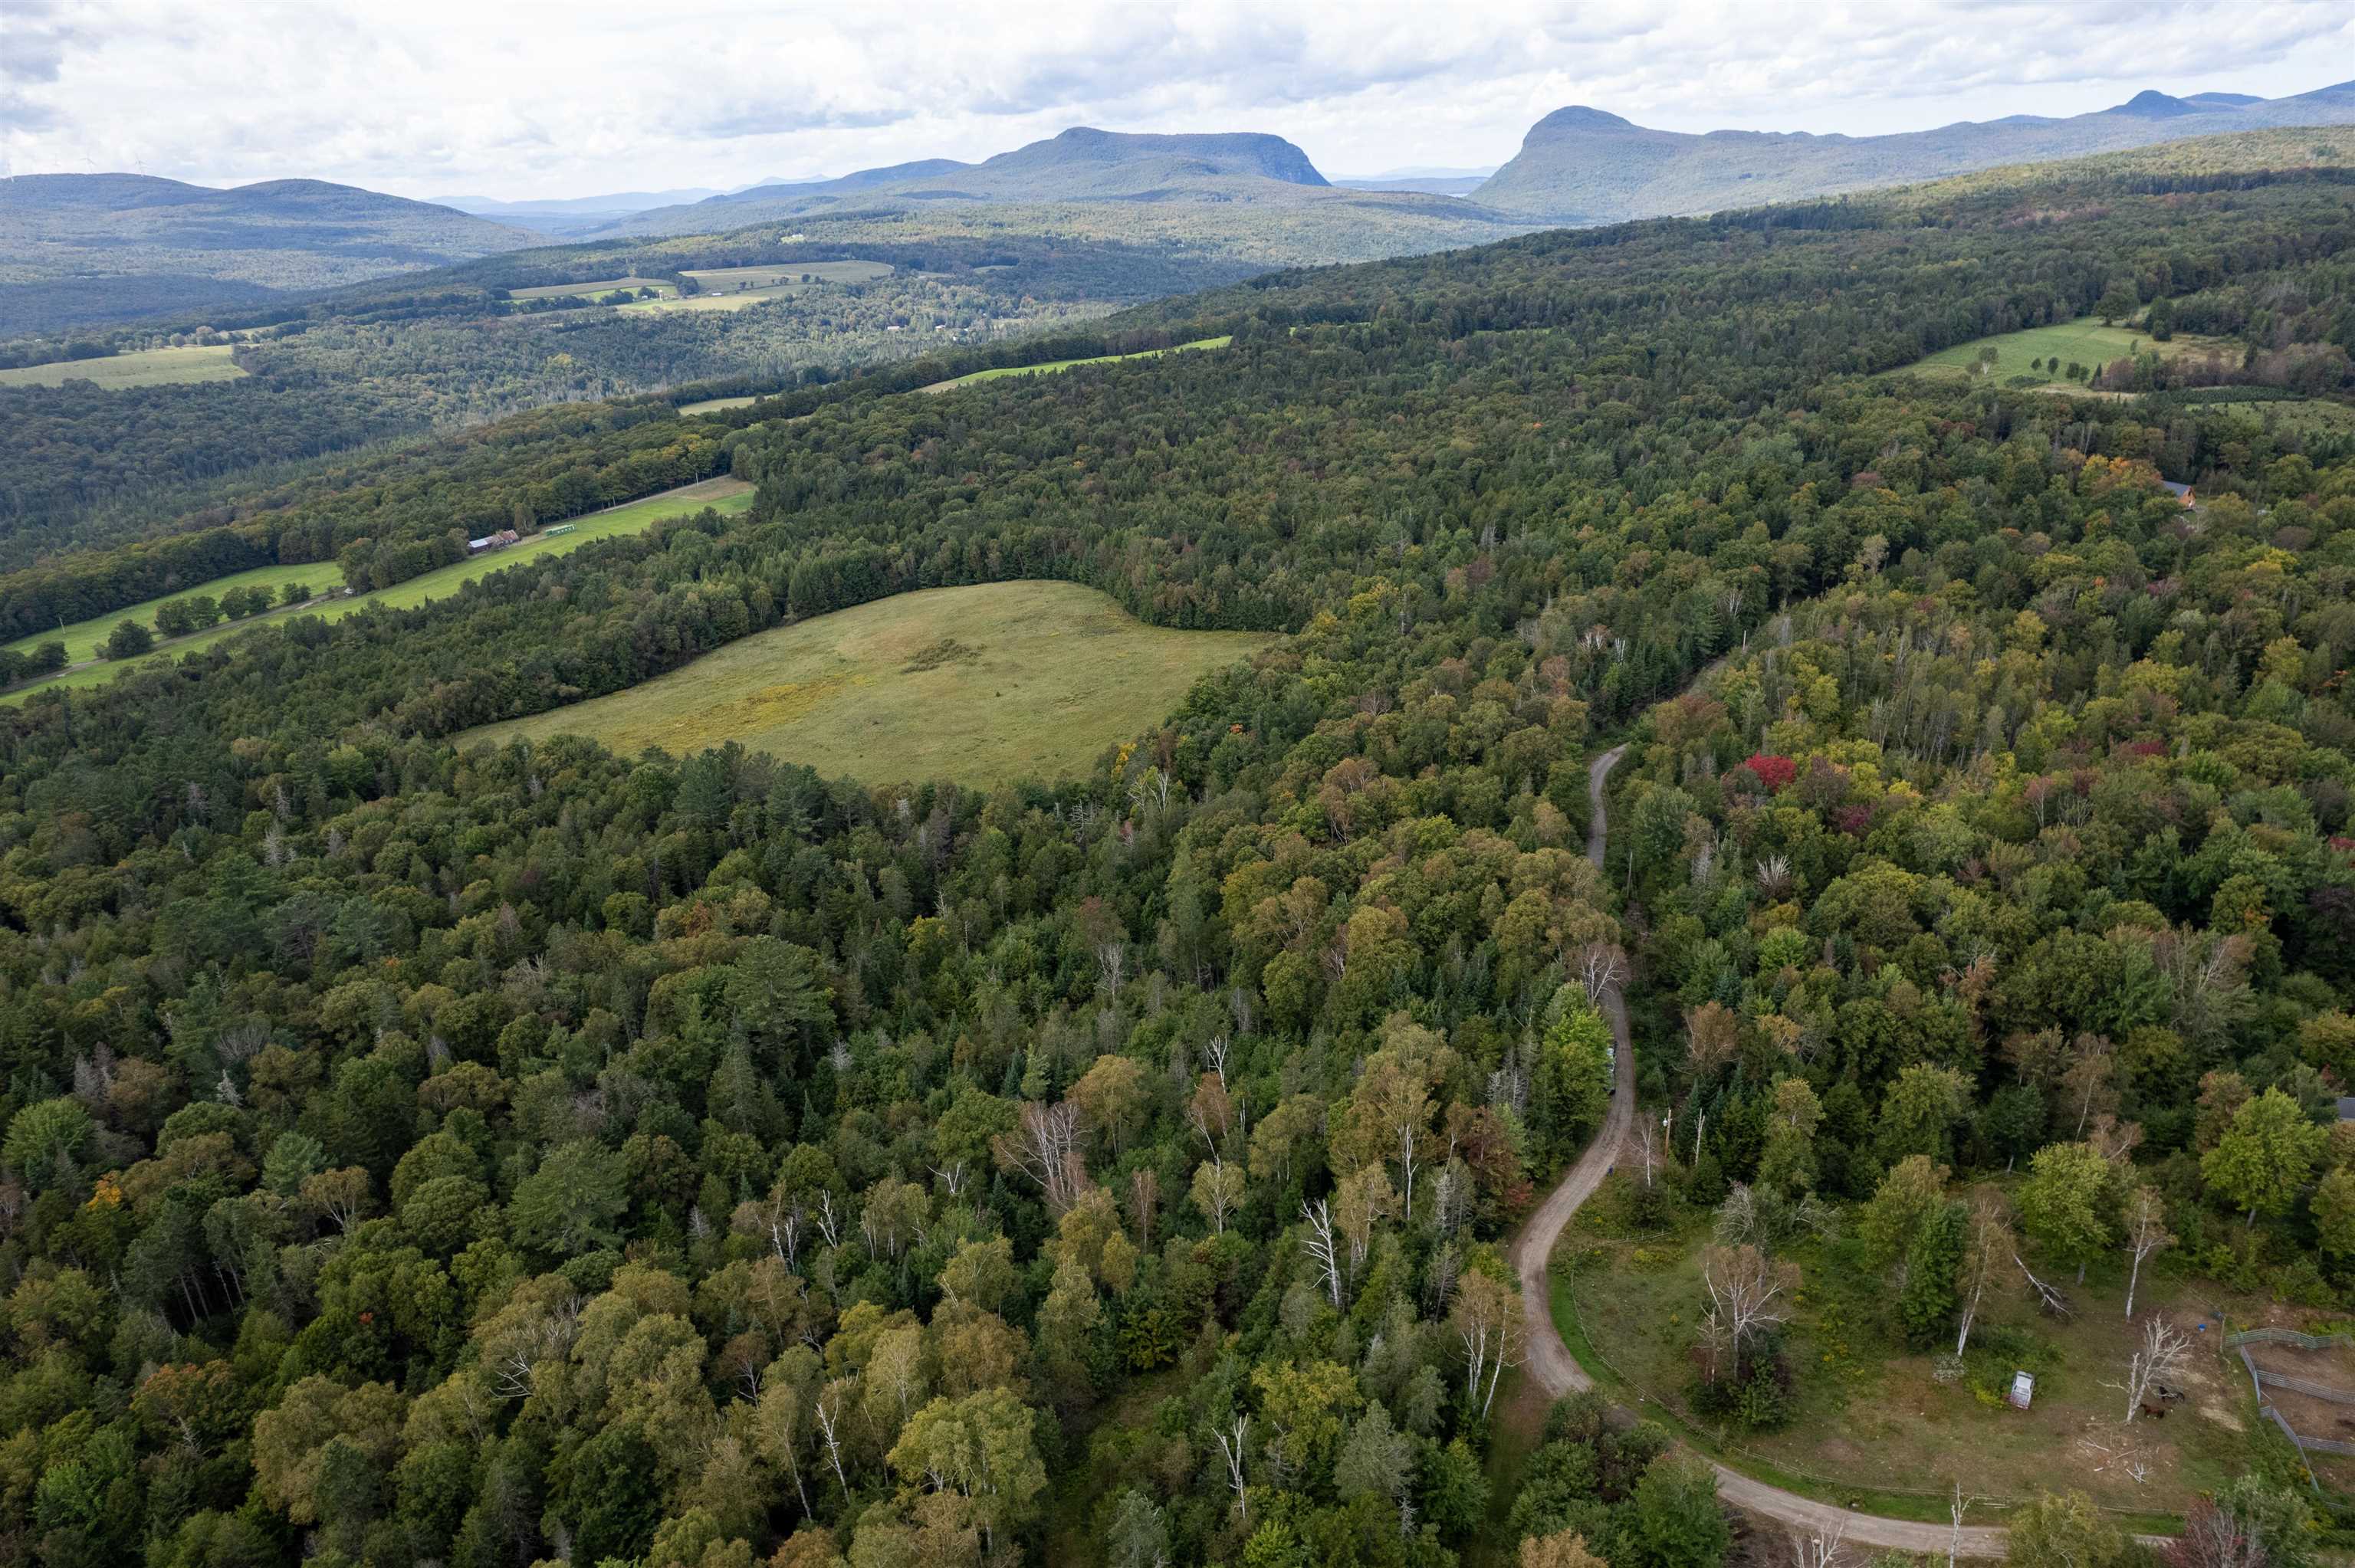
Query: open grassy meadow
x=142 y=368
x=2082 y=342
x=981 y=685
x=1054 y=365
x=714 y=405
x=724 y=495
x=1872 y=1420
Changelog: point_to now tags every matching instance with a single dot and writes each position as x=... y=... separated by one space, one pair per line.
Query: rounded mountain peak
x=1579 y=117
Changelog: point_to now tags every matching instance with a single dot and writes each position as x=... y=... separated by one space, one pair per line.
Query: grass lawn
x=2083 y=340
x=979 y=684
x=1873 y=1423
x=142 y=368
x=725 y=495
x=1054 y=365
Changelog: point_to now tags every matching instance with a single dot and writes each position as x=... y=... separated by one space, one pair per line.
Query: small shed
x=2181 y=492
x=2023 y=1390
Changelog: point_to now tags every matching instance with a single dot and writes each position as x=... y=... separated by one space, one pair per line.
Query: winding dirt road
x=1553 y=1368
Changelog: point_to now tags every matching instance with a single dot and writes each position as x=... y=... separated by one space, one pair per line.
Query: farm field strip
x=184 y=366
x=82 y=638
x=591 y=290
x=727 y=496
x=981 y=685
x=1054 y=365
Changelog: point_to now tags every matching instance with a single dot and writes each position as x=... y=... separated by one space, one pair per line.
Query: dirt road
x=1552 y=1365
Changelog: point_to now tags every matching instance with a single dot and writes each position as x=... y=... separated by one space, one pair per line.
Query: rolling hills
x=1580 y=165
x=86 y=248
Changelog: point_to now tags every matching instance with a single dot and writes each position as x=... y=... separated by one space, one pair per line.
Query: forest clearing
x=983 y=684
x=2049 y=352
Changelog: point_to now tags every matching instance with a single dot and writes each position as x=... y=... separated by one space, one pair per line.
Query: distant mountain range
x=79 y=248
x=1583 y=166
x=89 y=248
x=1080 y=165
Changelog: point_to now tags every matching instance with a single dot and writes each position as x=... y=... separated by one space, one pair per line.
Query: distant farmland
x=981 y=685
x=142 y=368
x=593 y=291
x=2085 y=341
x=726 y=496
x=733 y=288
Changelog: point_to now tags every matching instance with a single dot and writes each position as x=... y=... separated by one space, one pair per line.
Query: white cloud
x=430 y=97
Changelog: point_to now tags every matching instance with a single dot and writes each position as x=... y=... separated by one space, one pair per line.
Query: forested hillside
x=416 y=1156
x=92 y=467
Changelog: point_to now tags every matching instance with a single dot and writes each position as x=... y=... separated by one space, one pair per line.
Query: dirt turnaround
x=1553 y=1368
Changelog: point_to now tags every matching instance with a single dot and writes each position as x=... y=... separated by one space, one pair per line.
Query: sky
x=516 y=100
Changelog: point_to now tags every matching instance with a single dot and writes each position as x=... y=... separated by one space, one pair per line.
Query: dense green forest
x=417 y=1156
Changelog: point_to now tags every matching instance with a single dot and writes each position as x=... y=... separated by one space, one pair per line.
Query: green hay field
x=981 y=685
x=2083 y=340
x=727 y=496
x=144 y=367
x=714 y=405
x=1054 y=365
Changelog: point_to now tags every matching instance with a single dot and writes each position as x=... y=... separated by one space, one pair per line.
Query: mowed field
x=980 y=685
x=144 y=367
x=2083 y=342
x=1054 y=365
x=726 y=496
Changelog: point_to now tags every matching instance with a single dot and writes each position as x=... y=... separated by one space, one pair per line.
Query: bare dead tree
x=1988 y=1243
x=1045 y=1147
x=2050 y=1296
x=830 y=1402
x=1487 y=1318
x=1216 y=1051
x=1599 y=969
x=2162 y=1350
x=1820 y=1548
x=1232 y=1447
x=1956 y=1509
x=2146 y=1231
x=1745 y=1295
x=1322 y=1252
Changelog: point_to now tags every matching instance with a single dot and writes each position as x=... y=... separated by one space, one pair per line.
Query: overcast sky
x=428 y=97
